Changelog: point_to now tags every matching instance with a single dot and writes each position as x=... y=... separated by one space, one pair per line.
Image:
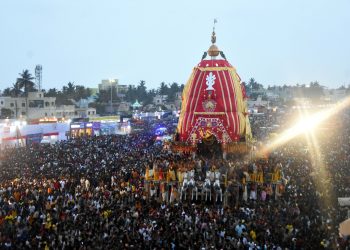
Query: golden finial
x=213 y=49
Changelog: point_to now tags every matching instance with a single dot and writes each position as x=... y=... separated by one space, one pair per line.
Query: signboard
x=75 y=126
x=34 y=138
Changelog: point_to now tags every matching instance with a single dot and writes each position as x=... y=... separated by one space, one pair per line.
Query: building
x=85 y=112
x=35 y=106
x=160 y=99
x=334 y=95
x=122 y=89
x=107 y=84
x=65 y=111
x=258 y=103
x=70 y=111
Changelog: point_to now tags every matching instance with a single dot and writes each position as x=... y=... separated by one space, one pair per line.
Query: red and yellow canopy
x=213 y=104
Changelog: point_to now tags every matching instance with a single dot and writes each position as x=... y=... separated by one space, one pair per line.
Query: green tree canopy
x=25 y=81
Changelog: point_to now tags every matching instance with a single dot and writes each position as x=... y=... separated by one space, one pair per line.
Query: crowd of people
x=91 y=193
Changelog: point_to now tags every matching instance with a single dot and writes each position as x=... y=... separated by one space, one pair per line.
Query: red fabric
x=49 y=134
x=223 y=119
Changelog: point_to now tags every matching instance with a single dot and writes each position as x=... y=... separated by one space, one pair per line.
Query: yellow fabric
x=276 y=176
x=185 y=99
x=260 y=177
x=172 y=175
x=289 y=227
x=253 y=235
x=168 y=176
x=155 y=174
x=180 y=176
x=253 y=177
x=239 y=100
x=147 y=177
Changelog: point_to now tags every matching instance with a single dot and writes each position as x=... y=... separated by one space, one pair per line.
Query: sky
x=84 y=41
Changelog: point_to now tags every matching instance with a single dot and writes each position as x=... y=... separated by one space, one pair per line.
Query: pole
x=111 y=100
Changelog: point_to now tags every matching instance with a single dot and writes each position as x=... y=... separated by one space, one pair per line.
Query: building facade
x=160 y=99
x=106 y=85
x=37 y=106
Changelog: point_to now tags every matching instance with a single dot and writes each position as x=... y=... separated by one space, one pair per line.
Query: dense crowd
x=90 y=193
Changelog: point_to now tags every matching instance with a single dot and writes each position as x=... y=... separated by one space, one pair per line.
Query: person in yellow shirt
x=289 y=227
x=252 y=235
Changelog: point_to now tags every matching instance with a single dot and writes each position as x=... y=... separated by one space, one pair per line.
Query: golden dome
x=213 y=50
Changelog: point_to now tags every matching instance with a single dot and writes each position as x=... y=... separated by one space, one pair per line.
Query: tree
x=131 y=94
x=149 y=98
x=182 y=86
x=163 y=89
x=81 y=92
x=52 y=92
x=16 y=90
x=69 y=90
x=25 y=82
x=141 y=91
x=315 y=91
x=174 y=88
x=6 y=92
x=62 y=99
x=104 y=96
x=254 y=85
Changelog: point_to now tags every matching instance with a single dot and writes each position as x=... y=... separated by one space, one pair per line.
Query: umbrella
x=344 y=228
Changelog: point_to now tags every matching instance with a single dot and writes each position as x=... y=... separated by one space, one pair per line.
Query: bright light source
x=307 y=124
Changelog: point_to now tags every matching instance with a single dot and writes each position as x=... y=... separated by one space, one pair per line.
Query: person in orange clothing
x=155 y=174
x=17 y=195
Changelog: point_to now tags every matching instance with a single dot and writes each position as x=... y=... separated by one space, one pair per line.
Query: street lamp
x=111 y=81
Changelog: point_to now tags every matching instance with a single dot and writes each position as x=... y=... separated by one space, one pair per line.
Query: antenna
x=213 y=36
x=38 y=76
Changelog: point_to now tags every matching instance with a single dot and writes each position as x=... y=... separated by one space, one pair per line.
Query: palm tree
x=70 y=88
x=25 y=81
x=16 y=90
x=6 y=92
x=52 y=92
x=163 y=89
